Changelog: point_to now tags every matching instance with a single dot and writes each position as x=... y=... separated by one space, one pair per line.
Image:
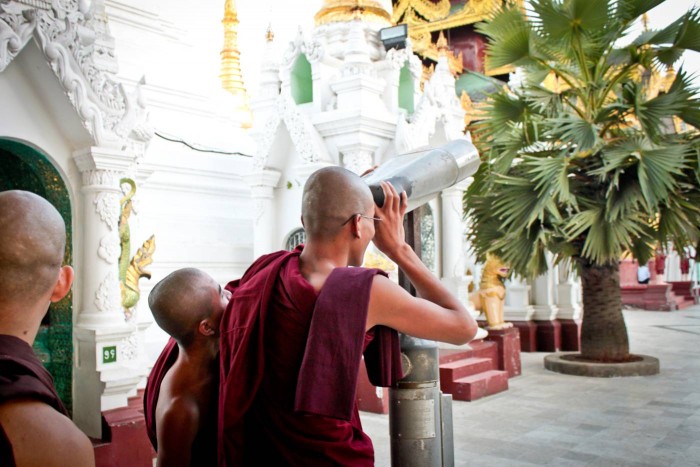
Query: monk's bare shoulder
x=177 y=427
x=41 y=436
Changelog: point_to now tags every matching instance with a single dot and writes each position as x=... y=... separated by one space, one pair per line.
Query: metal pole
x=418 y=412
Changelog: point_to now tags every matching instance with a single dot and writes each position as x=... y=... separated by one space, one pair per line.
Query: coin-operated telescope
x=424 y=173
x=420 y=416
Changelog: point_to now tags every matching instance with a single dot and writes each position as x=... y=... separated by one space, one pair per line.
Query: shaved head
x=32 y=244
x=180 y=301
x=331 y=196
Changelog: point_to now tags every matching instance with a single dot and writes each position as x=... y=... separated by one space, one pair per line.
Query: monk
x=298 y=323
x=181 y=395
x=34 y=424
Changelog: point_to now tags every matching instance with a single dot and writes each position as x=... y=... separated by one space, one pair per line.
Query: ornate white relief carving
x=129 y=348
x=15 y=31
x=313 y=50
x=301 y=131
x=99 y=177
x=357 y=161
x=265 y=140
x=107 y=206
x=108 y=295
x=75 y=39
x=109 y=249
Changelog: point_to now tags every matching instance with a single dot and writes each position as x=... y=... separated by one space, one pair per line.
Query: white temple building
x=93 y=92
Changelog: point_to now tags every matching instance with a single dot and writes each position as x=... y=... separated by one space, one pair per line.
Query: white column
x=453 y=254
x=107 y=365
x=568 y=294
x=543 y=295
x=517 y=306
x=262 y=184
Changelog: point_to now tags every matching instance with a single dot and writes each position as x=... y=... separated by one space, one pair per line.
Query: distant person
x=685 y=263
x=293 y=335
x=34 y=426
x=181 y=395
x=643 y=274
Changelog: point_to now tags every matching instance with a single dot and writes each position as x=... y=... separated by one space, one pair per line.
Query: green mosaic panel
x=24 y=168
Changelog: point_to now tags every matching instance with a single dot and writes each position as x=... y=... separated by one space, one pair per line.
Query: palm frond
x=629 y=10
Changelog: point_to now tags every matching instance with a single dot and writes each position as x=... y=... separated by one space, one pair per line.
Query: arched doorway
x=24 y=168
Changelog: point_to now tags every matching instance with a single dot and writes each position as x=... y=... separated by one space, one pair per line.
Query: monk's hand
x=389 y=234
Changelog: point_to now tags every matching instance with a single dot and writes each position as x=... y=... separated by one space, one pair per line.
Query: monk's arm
x=437 y=314
x=176 y=430
x=42 y=436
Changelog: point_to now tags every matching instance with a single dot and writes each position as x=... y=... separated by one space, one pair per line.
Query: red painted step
x=452 y=371
x=475 y=387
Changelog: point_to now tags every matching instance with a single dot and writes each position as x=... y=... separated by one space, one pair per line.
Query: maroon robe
x=7 y=457
x=22 y=376
x=289 y=364
x=204 y=449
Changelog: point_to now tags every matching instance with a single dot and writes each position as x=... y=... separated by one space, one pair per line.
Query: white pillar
x=262 y=184
x=568 y=294
x=453 y=254
x=517 y=306
x=107 y=366
x=543 y=296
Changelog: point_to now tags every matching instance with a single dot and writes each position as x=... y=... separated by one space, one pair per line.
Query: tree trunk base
x=567 y=364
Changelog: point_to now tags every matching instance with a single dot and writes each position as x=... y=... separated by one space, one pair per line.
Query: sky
x=286 y=16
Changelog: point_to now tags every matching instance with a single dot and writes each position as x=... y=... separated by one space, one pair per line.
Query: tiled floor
x=547 y=418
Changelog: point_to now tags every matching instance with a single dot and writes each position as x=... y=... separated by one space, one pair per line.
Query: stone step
x=452 y=371
x=475 y=349
x=471 y=388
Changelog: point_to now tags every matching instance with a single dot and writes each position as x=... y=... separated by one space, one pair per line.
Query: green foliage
x=584 y=157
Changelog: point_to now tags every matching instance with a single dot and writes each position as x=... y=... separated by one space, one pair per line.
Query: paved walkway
x=547 y=418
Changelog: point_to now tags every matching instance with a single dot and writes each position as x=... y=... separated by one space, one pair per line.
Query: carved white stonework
x=15 y=31
x=302 y=132
x=129 y=348
x=357 y=161
x=108 y=295
x=109 y=248
x=107 y=206
x=99 y=178
x=75 y=39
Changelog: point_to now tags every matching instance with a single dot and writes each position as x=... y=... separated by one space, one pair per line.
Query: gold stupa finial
x=337 y=11
x=645 y=21
x=269 y=34
x=442 y=45
x=231 y=75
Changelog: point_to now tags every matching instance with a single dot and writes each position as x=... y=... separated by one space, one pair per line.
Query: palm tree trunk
x=603 y=331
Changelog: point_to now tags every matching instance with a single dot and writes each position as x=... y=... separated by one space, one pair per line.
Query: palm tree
x=580 y=158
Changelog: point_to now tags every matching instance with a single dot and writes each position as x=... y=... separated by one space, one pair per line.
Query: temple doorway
x=25 y=168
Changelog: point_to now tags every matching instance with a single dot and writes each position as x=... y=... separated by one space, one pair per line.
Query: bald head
x=180 y=301
x=32 y=244
x=331 y=196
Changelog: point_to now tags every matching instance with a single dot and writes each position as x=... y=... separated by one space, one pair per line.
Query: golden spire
x=231 y=76
x=269 y=34
x=645 y=21
x=337 y=11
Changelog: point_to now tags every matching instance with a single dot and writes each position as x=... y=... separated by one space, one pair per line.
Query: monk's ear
x=355 y=226
x=65 y=279
x=206 y=329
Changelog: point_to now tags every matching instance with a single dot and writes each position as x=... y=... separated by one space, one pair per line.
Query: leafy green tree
x=591 y=166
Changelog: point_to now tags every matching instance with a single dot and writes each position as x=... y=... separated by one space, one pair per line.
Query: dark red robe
x=289 y=364
x=22 y=376
x=204 y=449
